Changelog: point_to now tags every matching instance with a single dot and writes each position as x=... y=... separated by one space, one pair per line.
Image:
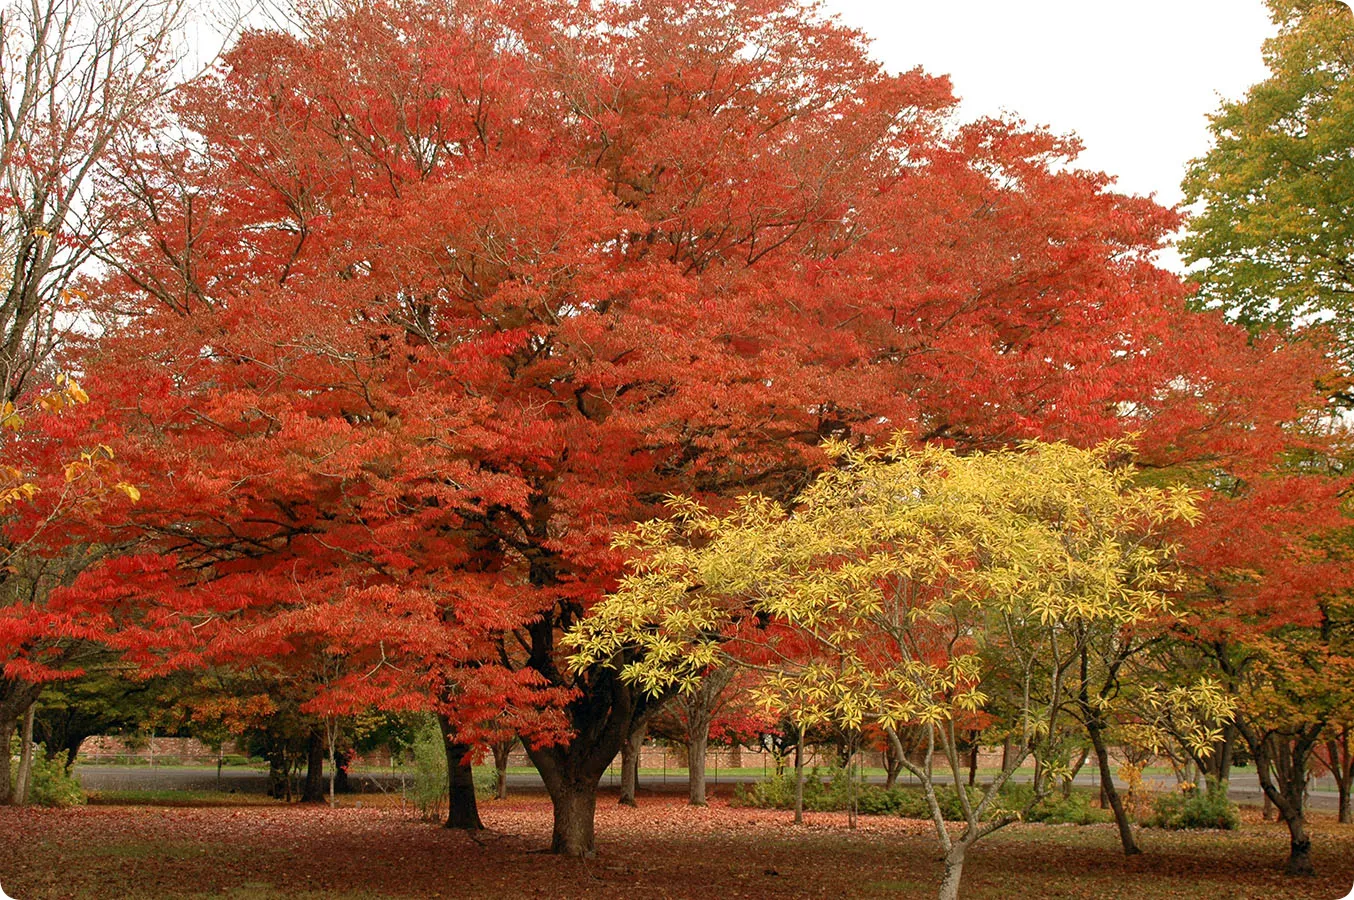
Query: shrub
x=1191 y=809
x=831 y=792
x=428 y=793
x=50 y=784
x=1054 y=809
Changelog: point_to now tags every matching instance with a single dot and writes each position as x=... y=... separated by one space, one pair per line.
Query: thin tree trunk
x=973 y=761
x=630 y=752
x=331 y=738
x=799 y=777
x=892 y=766
x=501 y=751
x=1110 y=792
x=1342 y=767
x=1076 y=768
x=25 y=776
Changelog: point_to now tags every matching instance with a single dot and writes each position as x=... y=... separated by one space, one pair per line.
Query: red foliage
x=451 y=294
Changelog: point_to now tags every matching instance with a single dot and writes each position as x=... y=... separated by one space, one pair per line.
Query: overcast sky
x=1136 y=80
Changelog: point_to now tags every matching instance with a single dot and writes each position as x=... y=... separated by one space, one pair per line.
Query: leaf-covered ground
x=663 y=849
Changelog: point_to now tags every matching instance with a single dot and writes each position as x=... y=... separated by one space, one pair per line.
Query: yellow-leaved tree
x=906 y=587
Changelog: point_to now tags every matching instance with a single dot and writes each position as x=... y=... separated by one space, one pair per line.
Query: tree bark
x=462 y=808
x=313 y=789
x=1110 y=792
x=15 y=698
x=954 y=870
x=600 y=718
x=25 y=777
x=799 y=777
x=1281 y=762
x=575 y=810
x=1076 y=767
x=630 y=752
x=1341 y=762
x=501 y=751
x=696 y=744
x=893 y=766
x=973 y=761
x=279 y=771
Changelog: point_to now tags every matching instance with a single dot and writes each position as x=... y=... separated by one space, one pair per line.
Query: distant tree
x=1274 y=240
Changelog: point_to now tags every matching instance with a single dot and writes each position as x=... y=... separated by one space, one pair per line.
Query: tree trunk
x=341 y=783
x=1341 y=764
x=799 y=777
x=462 y=809
x=501 y=751
x=892 y=766
x=696 y=743
x=973 y=761
x=630 y=752
x=1299 y=846
x=15 y=699
x=6 y=736
x=313 y=789
x=599 y=716
x=1076 y=768
x=575 y=810
x=954 y=870
x=73 y=752
x=25 y=777
x=1284 y=757
x=1110 y=792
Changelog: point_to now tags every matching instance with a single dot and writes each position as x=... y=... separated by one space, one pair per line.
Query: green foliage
x=1275 y=234
x=1054 y=809
x=50 y=784
x=428 y=792
x=1190 y=809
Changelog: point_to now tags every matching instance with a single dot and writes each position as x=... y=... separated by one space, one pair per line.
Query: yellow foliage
x=905 y=575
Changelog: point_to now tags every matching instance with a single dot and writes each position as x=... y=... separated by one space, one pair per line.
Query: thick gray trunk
x=575 y=809
x=954 y=870
x=695 y=754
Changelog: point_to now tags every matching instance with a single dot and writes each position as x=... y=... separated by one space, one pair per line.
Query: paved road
x=1244 y=787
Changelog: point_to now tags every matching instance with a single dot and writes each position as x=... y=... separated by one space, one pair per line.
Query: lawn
x=662 y=849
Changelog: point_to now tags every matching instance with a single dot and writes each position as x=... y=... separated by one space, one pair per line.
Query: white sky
x=1135 y=81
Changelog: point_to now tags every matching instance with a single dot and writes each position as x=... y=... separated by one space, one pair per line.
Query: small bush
x=1190 y=809
x=1054 y=809
x=50 y=784
x=428 y=793
x=831 y=792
